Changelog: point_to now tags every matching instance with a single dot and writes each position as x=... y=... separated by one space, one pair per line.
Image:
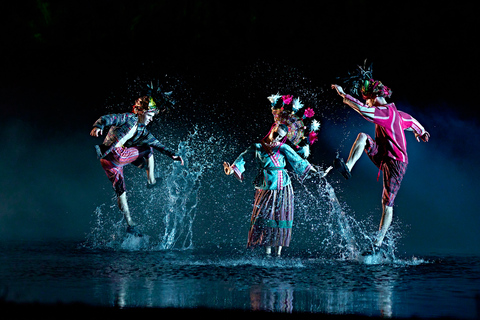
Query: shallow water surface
x=229 y=278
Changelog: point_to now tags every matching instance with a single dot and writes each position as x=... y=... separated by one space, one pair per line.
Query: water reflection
x=384 y=283
x=190 y=279
x=346 y=288
x=266 y=298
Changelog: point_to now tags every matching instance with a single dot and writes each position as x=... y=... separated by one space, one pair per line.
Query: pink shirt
x=390 y=124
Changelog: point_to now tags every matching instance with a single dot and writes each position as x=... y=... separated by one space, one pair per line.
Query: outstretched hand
x=227 y=168
x=425 y=137
x=96 y=132
x=178 y=158
x=339 y=90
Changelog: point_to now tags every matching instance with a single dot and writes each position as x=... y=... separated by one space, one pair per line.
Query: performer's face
x=371 y=102
x=278 y=134
x=146 y=117
x=377 y=101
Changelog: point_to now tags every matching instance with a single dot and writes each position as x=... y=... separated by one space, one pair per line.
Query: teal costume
x=273 y=210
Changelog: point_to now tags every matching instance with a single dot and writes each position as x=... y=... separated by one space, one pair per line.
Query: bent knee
x=362 y=137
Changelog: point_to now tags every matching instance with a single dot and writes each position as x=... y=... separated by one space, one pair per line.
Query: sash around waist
x=274 y=168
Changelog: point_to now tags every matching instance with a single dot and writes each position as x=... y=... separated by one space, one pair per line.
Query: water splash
x=165 y=214
x=181 y=198
x=336 y=231
x=197 y=205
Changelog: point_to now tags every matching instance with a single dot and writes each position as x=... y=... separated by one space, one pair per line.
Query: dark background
x=62 y=61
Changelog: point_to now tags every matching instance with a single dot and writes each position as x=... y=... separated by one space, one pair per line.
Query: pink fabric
x=114 y=162
x=389 y=127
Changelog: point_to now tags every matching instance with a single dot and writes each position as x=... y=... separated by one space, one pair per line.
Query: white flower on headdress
x=315 y=125
x=305 y=151
x=274 y=98
x=297 y=105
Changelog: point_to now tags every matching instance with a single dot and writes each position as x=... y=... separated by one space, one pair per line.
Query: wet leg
x=123 y=206
x=385 y=222
x=151 y=171
x=278 y=251
x=357 y=150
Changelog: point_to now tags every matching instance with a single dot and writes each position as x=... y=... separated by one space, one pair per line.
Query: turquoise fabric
x=271 y=167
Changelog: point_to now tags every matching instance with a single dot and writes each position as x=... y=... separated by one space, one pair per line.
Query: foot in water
x=154 y=185
x=341 y=167
x=374 y=250
x=134 y=231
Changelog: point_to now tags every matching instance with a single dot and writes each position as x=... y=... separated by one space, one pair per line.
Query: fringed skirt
x=272 y=218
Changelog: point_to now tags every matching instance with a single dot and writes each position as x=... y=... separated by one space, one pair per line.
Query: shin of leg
x=151 y=170
x=385 y=222
x=357 y=150
x=123 y=206
x=279 y=251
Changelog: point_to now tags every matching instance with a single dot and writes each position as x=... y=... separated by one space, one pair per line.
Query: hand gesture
x=425 y=137
x=227 y=168
x=339 y=90
x=178 y=158
x=96 y=132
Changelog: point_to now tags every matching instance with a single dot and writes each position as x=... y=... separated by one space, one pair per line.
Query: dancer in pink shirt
x=388 y=151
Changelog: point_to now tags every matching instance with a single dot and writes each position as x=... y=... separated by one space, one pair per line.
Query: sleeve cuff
x=237 y=173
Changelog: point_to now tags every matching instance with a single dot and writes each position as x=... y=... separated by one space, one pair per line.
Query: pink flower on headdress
x=386 y=92
x=312 y=137
x=287 y=99
x=309 y=113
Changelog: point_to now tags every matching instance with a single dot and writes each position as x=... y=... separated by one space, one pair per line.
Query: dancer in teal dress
x=273 y=208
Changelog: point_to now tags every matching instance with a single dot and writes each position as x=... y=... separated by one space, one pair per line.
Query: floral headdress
x=374 y=88
x=362 y=83
x=291 y=112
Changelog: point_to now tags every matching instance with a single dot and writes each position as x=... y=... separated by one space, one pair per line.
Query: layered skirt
x=272 y=218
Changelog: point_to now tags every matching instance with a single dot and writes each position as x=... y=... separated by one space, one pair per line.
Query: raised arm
x=367 y=112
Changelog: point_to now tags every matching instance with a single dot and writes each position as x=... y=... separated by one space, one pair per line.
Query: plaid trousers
x=114 y=162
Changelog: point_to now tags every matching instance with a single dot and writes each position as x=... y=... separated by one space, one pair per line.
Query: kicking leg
x=143 y=159
x=151 y=171
x=385 y=222
x=357 y=150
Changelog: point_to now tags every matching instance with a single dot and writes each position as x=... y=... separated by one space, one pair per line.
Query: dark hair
x=142 y=103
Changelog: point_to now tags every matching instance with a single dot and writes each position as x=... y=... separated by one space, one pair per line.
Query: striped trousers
x=272 y=218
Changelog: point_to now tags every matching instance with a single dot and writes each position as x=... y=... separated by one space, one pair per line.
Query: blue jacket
x=120 y=125
x=272 y=165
